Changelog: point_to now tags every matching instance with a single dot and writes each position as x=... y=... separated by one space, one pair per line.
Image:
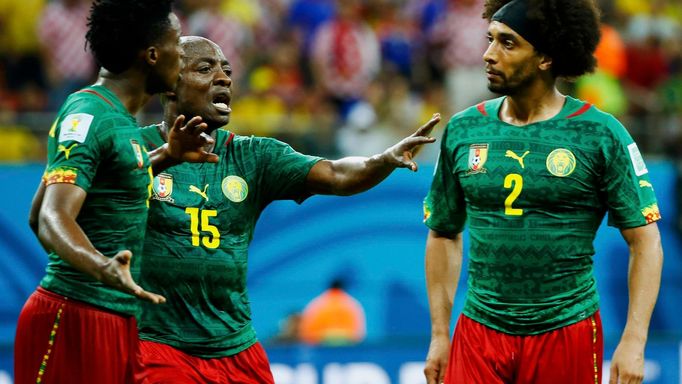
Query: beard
x=513 y=84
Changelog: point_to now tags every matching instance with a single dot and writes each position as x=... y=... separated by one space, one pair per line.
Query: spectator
x=333 y=318
x=62 y=30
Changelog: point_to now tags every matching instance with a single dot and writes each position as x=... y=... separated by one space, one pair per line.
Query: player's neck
x=532 y=106
x=129 y=89
x=166 y=125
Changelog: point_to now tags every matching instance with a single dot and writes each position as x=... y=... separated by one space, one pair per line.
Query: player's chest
x=528 y=172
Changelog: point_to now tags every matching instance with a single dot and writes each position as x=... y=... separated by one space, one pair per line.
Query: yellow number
x=212 y=241
x=515 y=180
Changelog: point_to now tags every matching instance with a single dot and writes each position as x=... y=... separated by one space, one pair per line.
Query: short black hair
x=119 y=29
x=570 y=28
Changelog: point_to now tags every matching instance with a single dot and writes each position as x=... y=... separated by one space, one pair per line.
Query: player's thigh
x=250 y=366
x=569 y=355
x=480 y=355
x=162 y=364
x=72 y=342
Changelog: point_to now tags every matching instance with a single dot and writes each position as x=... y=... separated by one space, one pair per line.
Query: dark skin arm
x=351 y=175
x=59 y=231
x=644 y=281
x=443 y=263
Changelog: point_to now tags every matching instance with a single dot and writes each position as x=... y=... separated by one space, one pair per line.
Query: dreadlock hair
x=570 y=30
x=119 y=29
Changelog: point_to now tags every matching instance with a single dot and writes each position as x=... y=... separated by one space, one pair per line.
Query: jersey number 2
x=209 y=241
x=515 y=182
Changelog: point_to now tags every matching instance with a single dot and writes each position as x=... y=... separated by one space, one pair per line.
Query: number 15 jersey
x=201 y=221
x=533 y=198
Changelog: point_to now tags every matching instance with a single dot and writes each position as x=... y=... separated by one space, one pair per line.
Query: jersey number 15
x=209 y=236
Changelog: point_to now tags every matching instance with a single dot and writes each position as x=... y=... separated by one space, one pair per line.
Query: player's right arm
x=35 y=210
x=58 y=231
x=443 y=263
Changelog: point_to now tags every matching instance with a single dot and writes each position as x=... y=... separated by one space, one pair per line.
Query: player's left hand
x=402 y=153
x=188 y=142
x=627 y=364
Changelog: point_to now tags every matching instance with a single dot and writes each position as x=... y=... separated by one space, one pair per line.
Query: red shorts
x=61 y=340
x=569 y=355
x=163 y=364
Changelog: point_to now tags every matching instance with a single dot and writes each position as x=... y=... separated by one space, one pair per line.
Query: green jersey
x=96 y=144
x=201 y=221
x=534 y=197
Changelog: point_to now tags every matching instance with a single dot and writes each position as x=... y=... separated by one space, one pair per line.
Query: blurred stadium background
x=335 y=78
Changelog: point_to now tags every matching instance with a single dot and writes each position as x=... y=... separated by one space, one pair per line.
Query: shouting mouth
x=221 y=102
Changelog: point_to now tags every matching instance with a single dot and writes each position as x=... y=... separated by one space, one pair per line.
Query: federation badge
x=561 y=162
x=163 y=187
x=235 y=188
x=478 y=154
x=138 y=153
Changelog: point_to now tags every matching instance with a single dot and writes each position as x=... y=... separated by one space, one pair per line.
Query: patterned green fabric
x=201 y=221
x=533 y=198
x=96 y=144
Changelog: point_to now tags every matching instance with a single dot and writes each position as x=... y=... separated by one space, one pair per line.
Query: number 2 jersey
x=201 y=221
x=533 y=198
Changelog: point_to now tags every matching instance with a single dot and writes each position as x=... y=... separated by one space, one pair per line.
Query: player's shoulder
x=95 y=106
x=580 y=110
x=484 y=109
x=254 y=142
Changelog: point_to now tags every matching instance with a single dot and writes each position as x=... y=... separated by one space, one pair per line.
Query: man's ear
x=545 y=63
x=151 y=55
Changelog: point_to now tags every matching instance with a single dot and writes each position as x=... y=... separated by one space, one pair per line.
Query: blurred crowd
x=349 y=76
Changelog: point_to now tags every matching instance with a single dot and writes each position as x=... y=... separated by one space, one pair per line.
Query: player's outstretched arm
x=443 y=263
x=644 y=281
x=59 y=231
x=186 y=142
x=351 y=175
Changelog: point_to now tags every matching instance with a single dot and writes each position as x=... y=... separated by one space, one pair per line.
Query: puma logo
x=644 y=184
x=517 y=157
x=200 y=192
x=67 y=151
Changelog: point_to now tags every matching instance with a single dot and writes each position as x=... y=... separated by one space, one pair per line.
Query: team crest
x=138 y=153
x=478 y=154
x=163 y=187
x=561 y=162
x=235 y=188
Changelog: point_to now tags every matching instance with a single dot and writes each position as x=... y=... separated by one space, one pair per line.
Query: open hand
x=403 y=152
x=189 y=142
x=116 y=273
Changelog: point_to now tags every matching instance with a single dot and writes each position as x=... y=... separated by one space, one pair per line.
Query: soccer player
x=533 y=174
x=90 y=210
x=201 y=221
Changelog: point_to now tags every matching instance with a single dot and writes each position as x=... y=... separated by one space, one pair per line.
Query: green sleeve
x=625 y=184
x=285 y=170
x=74 y=150
x=444 y=206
